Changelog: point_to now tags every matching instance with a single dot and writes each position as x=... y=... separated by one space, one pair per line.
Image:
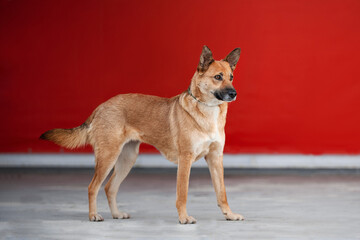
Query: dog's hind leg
x=106 y=156
x=122 y=167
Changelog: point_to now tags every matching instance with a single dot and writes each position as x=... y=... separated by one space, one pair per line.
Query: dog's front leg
x=215 y=162
x=182 y=186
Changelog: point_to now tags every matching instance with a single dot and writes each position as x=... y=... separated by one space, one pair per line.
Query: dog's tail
x=68 y=138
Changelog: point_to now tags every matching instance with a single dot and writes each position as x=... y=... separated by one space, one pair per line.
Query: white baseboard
x=157 y=161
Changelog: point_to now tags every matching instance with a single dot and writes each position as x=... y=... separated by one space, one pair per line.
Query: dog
x=183 y=128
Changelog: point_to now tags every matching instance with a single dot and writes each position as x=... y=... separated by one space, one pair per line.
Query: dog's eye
x=218 y=77
x=231 y=77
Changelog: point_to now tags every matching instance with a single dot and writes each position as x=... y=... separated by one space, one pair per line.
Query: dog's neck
x=206 y=104
x=207 y=116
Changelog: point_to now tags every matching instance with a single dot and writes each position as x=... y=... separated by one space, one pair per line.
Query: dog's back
x=123 y=113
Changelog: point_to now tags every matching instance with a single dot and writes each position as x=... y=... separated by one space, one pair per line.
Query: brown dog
x=183 y=128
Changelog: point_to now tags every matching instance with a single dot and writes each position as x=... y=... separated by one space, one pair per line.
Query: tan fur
x=69 y=138
x=184 y=129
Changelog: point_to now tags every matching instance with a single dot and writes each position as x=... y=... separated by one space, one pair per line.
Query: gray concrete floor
x=277 y=205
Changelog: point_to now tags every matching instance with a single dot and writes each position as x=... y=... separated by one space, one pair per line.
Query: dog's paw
x=187 y=220
x=95 y=217
x=121 y=215
x=234 y=217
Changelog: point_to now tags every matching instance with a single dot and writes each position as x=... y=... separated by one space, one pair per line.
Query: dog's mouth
x=226 y=95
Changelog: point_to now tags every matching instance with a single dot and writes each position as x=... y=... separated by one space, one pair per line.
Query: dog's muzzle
x=227 y=94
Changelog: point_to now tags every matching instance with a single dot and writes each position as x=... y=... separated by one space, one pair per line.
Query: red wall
x=298 y=78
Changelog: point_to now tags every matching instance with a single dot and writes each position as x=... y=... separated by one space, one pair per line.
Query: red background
x=298 y=78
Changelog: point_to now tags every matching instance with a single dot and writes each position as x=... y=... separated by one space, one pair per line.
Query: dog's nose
x=232 y=93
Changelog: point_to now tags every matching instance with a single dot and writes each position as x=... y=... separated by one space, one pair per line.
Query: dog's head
x=212 y=82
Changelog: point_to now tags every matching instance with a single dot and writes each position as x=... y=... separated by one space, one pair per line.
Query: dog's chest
x=212 y=131
x=202 y=143
x=204 y=139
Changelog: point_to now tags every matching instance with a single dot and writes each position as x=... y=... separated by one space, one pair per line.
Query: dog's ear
x=233 y=58
x=206 y=59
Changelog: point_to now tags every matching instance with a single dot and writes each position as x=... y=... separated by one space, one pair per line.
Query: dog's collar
x=189 y=92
